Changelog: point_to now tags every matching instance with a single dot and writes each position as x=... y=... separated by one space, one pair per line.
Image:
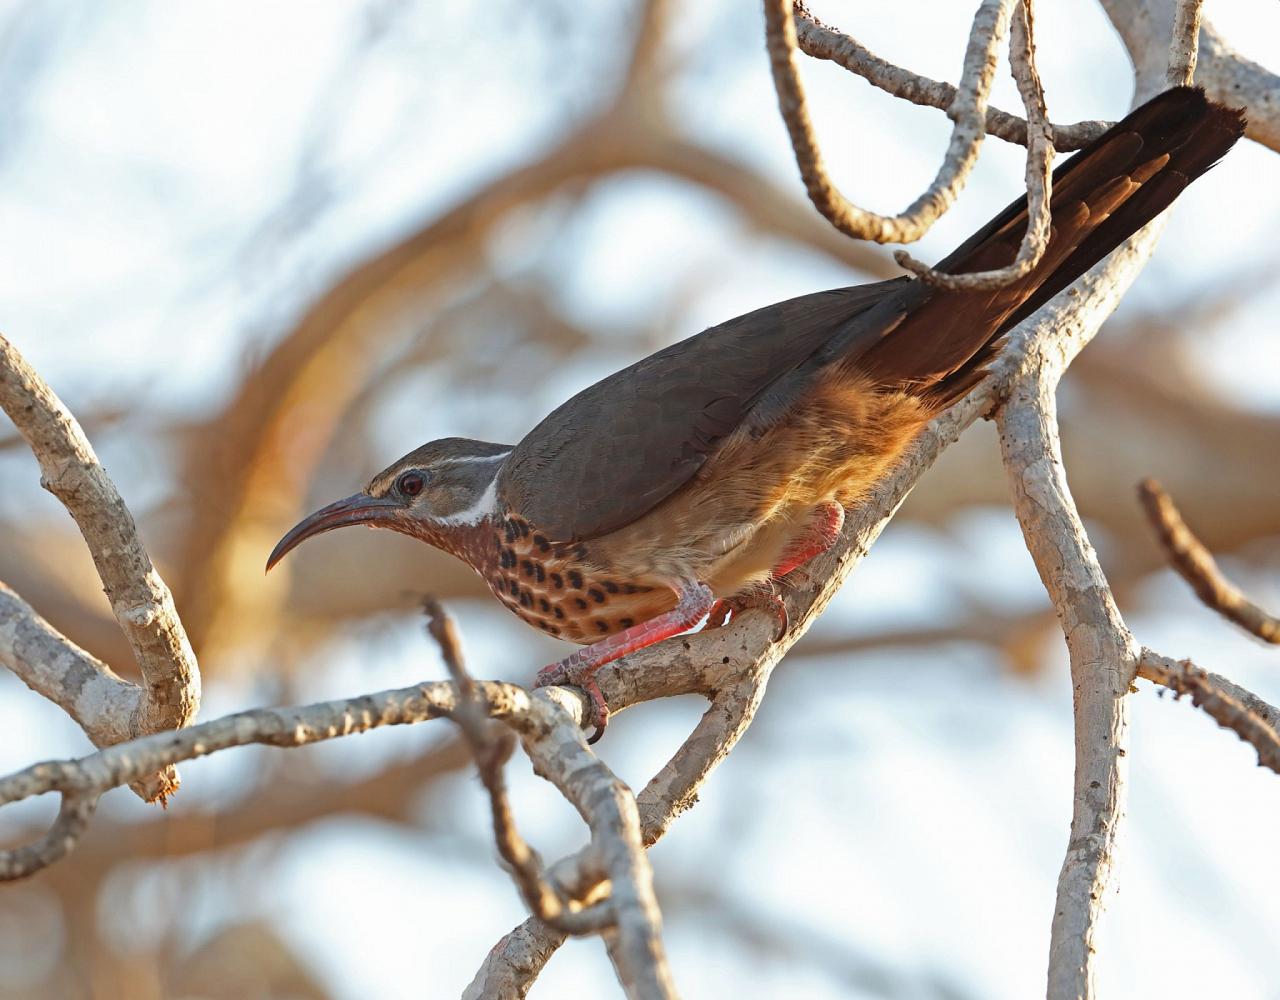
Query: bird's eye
x=410 y=483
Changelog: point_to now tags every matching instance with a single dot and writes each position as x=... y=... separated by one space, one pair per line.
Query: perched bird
x=689 y=483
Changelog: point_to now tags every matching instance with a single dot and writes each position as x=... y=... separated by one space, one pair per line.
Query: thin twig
x=1039 y=175
x=74 y=814
x=1185 y=43
x=492 y=746
x=1195 y=564
x=824 y=42
x=968 y=111
x=1232 y=707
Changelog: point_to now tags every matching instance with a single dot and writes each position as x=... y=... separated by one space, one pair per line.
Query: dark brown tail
x=1101 y=196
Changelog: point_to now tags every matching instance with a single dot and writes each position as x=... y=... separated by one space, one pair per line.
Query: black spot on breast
x=575 y=579
x=507 y=559
x=539 y=572
x=542 y=543
x=557 y=581
x=597 y=595
x=602 y=625
x=544 y=604
x=510 y=532
x=513 y=586
x=627 y=622
x=527 y=567
x=559 y=611
x=526 y=599
x=610 y=586
x=580 y=603
x=553 y=629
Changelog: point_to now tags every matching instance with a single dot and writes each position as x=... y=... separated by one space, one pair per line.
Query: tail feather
x=1101 y=196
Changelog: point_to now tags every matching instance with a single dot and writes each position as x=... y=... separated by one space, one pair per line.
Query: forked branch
x=140 y=601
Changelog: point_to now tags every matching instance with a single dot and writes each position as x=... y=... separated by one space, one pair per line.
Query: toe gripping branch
x=579 y=668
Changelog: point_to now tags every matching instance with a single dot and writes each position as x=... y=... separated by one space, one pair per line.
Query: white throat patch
x=487 y=505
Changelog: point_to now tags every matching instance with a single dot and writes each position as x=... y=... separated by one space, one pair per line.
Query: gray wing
x=619 y=448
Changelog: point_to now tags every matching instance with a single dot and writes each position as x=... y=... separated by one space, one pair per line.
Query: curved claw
x=767 y=598
x=718 y=617
x=585 y=679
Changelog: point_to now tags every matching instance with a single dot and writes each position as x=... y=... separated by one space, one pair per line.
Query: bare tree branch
x=1146 y=28
x=822 y=42
x=101 y=703
x=1196 y=565
x=1185 y=43
x=1039 y=177
x=1102 y=656
x=492 y=747
x=968 y=110
x=141 y=602
x=548 y=722
x=1230 y=705
x=74 y=813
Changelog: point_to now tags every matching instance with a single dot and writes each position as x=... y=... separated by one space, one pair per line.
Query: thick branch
x=104 y=705
x=140 y=601
x=1102 y=656
x=1147 y=30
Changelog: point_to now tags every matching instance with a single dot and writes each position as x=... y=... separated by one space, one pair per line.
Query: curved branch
x=823 y=42
x=968 y=110
x=1039 y=176
x=140 y=601
x=73 y=817
x=100 y=702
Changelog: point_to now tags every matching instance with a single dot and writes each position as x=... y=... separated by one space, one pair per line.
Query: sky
x=893 y=811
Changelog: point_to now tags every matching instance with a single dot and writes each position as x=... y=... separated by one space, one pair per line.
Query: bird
x=690 y=483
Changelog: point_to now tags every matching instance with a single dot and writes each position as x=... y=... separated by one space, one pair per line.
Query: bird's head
x=433 y=490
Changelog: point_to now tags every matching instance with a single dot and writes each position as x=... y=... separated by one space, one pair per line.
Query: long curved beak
x=359 y=508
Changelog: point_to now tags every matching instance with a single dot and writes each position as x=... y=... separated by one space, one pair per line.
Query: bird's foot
x=764 y=596
x=582 y=675
x=819 y=535
x=579 y=668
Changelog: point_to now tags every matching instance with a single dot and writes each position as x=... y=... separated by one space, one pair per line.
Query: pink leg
x=579 y=668
x=819 y=535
